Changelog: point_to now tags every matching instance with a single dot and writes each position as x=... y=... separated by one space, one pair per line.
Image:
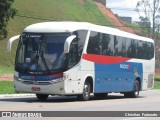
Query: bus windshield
x=41 y=53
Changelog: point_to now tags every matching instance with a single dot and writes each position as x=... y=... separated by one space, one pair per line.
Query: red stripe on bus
x=104 y=59
x=57 y=75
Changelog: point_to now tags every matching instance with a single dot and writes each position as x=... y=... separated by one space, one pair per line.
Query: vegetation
x=6 y=12
x=157 y=82
x=33 y=11
x=151 y=14
x=140 y=29
x=6 y=87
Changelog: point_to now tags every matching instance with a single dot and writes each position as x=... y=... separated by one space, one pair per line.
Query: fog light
x=17 y=78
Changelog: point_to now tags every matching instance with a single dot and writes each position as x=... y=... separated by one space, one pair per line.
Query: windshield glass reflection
x=41 y=52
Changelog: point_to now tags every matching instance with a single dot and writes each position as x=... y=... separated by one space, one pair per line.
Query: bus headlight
x=17 y=78
x=59 y=79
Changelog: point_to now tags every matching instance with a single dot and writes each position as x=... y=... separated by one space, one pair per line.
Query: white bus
x=78 y=58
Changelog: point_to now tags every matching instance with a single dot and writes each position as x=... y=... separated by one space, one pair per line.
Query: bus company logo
x=26 y=77
x=125 y=66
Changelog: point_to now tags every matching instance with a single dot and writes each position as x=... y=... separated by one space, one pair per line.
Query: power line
x=127 y=9
x=123 y=9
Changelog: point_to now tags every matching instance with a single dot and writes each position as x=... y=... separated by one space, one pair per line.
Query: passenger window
x=81 y=38
x=128 y=48
x=111 y=45
x=94 y=44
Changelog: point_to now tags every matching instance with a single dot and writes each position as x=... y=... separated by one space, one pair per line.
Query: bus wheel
x=100 y=95
x=135 y=92
x=42 y=96
x=86 y=92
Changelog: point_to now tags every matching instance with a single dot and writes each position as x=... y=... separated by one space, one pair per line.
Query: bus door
x=72 y=66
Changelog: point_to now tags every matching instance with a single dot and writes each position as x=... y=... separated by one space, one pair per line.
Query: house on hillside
x=101 y=1
x=126 y=19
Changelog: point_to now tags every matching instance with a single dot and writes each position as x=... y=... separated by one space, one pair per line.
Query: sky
x=128 y=5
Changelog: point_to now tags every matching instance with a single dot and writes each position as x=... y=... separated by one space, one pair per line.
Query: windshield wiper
x=33 y=60
x=44 y=62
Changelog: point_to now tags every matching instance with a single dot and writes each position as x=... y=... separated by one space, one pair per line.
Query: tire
x=127 y=95
x=86 y=92
x=42 y=96
x=100 y=95
x=135 y=92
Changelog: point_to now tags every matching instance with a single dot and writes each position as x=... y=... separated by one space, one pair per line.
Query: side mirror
x=68 y=43
x=9 y=44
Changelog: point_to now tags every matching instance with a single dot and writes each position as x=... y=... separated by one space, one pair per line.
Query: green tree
x=6 y=12
x=149 y=11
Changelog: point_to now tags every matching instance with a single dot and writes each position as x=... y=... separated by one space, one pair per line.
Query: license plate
x=36 y=89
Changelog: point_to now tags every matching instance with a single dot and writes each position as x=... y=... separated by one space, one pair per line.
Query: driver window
x=73 y=53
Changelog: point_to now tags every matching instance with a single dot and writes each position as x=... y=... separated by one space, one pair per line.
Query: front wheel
x=86 y=92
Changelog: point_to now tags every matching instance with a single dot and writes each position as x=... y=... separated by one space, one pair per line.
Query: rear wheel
x=42 y=96
x=135 y=92
x=86 y=92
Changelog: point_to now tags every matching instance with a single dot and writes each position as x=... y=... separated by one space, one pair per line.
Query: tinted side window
x=73 y=54
x=140 y=52
x=94 y=44
x=120 y=46
x=128 y=48
x=110 y=45
x=100 y=43
x=134 y=49
x=151 y=50
x=81 y=38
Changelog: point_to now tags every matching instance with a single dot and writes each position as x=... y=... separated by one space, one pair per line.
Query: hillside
x=115 y=19
x=33 y=11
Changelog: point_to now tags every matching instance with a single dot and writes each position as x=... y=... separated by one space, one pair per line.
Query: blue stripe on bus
x=116 y=77
x=40 y=77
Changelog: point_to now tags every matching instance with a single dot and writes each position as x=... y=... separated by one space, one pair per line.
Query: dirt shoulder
x=115 y=19
x=6 y=77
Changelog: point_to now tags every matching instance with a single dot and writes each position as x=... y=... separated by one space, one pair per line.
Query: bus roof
x=51 y=27
x=57 y=27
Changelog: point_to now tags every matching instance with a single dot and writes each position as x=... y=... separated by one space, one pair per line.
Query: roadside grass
x=7 y=87
x=157 y=82
x=6 y=70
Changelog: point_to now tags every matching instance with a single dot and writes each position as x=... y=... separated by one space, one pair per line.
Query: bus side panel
x=113 y=73
x=148 y=79
x=116 y=77
x=83 y=70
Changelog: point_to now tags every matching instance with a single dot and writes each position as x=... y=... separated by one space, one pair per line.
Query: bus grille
x=37 y=82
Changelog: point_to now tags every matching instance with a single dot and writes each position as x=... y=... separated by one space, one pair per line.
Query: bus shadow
x=61 y=99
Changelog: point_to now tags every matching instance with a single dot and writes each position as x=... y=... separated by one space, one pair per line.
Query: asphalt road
x=148 y=101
